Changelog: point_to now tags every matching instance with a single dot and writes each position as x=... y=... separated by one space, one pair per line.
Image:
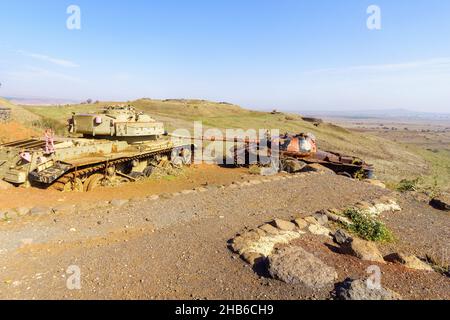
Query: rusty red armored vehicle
x=294 y=152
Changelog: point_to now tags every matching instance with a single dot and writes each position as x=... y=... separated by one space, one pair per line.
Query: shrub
x=367 y=227
x=407 y=185
x=46 y=123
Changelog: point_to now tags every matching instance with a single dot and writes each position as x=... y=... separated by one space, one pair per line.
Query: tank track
x=87 y=171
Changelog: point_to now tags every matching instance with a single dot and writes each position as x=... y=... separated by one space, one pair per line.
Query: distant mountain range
x=380 y=114
x=40 y=101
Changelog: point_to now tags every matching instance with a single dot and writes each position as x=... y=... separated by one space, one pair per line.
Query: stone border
x=256 y=245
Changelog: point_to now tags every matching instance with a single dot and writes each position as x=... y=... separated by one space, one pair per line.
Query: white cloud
x=37 y=74
x=56 y=61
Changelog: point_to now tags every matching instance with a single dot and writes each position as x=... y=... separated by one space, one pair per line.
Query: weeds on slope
x=367 y=227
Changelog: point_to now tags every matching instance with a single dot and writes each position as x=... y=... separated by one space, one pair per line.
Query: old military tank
x=115 y=146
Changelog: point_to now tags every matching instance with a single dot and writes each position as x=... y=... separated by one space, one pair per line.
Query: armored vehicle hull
x=119 y=145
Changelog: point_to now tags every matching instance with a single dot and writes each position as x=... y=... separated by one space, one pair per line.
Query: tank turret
x=117 y=123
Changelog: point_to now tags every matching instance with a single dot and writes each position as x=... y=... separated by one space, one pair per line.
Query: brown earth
x=196 y=176
x=13 y=130
x=176 y=247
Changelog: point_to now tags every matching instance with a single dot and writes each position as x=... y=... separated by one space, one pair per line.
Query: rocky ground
x=176 y=245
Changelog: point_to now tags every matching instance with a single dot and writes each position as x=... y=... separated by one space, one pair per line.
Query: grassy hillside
x=18 y=113
x=393 y=161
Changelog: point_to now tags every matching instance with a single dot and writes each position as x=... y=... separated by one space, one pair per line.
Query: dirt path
x=176 y=247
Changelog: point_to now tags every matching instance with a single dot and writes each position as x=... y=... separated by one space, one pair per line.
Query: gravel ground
x=176 y=247
x=419 y=229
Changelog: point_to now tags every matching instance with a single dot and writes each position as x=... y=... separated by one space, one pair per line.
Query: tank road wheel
x=93 y=182
x=66 y=184
x=75 y=185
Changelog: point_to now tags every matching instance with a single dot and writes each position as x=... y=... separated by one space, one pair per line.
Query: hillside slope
x=21 y=124
x=393 y=161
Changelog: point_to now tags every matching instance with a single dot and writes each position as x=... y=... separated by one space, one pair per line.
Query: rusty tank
x=114 y=146
x=297 y=152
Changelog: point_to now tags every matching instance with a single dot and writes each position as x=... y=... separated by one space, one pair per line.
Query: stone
x=342 y=237
x=270 y=229
x=321 y=218
x=284 y=225
x=251 y=235
x=64 y=208
x=319 y=230
x=22 y=211
x=153 y=197
x=39 y=211
x=360 y=290
x=294 y=265
x=318 y=168
x=364 y=250
x=409 y=261
x=118 y=202
x=301 y=223
x=251 y=257
x=187 y=191
x=261 y=233
x=238 y=244
x=337 y=218
x=311 y=220
x=441 y=203
x=376 y=183
x=439 y=259
x=363 y=205
x=292 y=166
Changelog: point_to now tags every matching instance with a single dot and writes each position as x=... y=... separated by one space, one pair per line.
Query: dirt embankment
x=14 y=130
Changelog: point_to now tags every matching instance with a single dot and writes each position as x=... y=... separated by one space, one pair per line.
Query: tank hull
x=79 y=158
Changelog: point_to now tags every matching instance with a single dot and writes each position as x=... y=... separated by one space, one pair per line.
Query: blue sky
x=286 y=54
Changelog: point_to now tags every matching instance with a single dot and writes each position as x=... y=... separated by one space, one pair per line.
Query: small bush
x=367 y=227
x=407 y=185
x=47 y=123
x=360 y=175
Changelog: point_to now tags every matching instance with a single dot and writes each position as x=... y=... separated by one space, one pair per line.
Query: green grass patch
x=367 y=227
x=49 y=123
x=170 y=177
x=407 y=185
